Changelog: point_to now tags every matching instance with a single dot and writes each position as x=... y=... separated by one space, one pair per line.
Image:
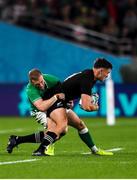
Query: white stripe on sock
x=49 y=138
x=94 y=149
x=83 y=131
x=37 y=137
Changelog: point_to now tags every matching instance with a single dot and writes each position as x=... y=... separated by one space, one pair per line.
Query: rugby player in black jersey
x=76 y=86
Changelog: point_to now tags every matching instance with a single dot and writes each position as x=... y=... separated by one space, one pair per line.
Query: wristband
x=55 y=97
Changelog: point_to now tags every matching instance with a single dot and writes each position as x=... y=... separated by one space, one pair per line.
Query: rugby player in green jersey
x=41 y=85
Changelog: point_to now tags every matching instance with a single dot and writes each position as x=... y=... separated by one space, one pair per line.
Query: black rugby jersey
x=77 y=84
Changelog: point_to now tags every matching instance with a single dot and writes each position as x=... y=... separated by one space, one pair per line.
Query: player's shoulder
x=50 y=77
x=87 y=75
x=87 y=72
x=30 y=88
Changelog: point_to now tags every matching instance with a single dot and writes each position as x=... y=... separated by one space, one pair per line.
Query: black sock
x=49 y=138
x=31 y=138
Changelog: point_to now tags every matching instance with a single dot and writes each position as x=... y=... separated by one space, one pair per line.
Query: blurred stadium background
x=61 y=37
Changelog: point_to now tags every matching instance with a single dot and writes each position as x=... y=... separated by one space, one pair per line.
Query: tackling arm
x=43 y=105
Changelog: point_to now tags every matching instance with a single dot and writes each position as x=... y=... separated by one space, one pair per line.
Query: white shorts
x=40 y=117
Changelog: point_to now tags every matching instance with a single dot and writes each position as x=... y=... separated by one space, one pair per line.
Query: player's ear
x=100 y=72
x=32 y=81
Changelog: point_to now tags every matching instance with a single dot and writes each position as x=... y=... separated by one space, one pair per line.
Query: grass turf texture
x=69 y=162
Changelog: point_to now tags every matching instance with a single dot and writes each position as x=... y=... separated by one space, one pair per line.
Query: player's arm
x=44 y=105
x=86 y=103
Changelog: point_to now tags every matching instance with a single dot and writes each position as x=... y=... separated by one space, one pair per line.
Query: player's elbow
x=40 y=105
x=41 y=108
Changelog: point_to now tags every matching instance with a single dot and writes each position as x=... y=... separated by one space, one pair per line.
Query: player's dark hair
x=102 y=63
x=34 y=74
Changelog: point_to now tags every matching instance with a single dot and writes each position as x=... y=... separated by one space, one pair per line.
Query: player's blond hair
x=34 y=74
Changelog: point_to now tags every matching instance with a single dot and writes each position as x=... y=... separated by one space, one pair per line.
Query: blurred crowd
x=117 y=18
x=114 y=17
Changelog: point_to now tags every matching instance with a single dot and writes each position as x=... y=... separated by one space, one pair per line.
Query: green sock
x=87 y=139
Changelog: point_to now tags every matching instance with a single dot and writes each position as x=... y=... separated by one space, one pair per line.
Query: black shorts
x=56 y=105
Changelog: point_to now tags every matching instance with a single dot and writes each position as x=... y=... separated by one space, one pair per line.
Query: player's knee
x=63 y=133
x=62 y=127
x=81 y=125
x=65 y=123
x=65 y=129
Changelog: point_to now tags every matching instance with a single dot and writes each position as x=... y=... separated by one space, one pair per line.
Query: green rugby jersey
x=34 y=93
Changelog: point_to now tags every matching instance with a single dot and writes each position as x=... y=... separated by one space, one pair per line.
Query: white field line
x=110 y=150
x=11 y=130
x=115 y=149
x=19 y=161
x=6 y=131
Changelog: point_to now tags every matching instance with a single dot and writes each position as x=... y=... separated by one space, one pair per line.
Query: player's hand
x=96 y=107
x=91 y=108
x=95 y=98
x=60 y=96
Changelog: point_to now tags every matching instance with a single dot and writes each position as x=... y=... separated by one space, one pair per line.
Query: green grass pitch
x=69 y=162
